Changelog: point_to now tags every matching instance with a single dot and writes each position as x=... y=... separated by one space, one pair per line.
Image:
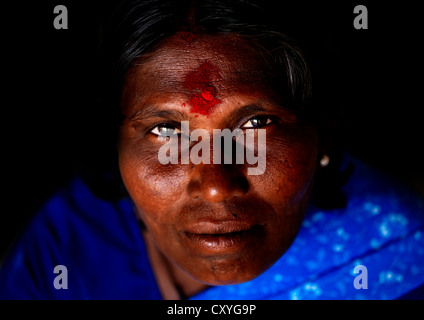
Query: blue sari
x=372 y=249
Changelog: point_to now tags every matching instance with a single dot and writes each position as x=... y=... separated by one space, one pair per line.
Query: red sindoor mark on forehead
x=203 y=98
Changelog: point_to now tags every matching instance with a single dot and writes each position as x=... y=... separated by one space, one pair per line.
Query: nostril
x=193 y=189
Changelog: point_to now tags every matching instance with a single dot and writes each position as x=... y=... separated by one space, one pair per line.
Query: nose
x=217 y=182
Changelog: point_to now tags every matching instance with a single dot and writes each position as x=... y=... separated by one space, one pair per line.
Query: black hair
x=137 y=27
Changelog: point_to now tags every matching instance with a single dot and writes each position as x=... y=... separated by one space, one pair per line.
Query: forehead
x=229 y=64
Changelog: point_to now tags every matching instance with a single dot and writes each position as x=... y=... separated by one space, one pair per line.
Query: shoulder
x=94 y=240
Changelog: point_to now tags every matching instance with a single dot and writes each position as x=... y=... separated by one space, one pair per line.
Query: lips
x=231 y=228
x=219 y=227
x=222 y=237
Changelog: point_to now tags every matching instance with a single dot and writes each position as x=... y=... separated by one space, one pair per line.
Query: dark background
x=49 y=76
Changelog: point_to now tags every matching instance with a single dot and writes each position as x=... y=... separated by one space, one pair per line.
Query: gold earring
x=325 y=160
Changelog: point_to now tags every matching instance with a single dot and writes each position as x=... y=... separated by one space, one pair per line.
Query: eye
x=165 y=130
x=257 y=122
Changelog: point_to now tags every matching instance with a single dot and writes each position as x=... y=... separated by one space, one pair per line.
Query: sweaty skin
x=213 y=224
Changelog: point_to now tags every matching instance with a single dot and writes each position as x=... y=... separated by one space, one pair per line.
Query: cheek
x=290 y=169
x=153 y=187
x=286 y=186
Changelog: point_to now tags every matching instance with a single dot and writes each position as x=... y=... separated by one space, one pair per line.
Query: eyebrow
x=247 y=110
x=150 y=111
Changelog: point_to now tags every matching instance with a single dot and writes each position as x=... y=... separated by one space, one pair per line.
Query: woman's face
x=214 y=221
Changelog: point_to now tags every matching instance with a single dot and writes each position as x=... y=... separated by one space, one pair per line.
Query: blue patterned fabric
x=382 y=228
x=99 y=242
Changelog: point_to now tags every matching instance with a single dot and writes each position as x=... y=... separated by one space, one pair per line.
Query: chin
x=221 y=271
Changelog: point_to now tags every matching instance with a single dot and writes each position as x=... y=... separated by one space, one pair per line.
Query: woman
x=198 y=225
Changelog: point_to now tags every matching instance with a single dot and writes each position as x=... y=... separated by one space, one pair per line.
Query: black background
x=48 y=80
